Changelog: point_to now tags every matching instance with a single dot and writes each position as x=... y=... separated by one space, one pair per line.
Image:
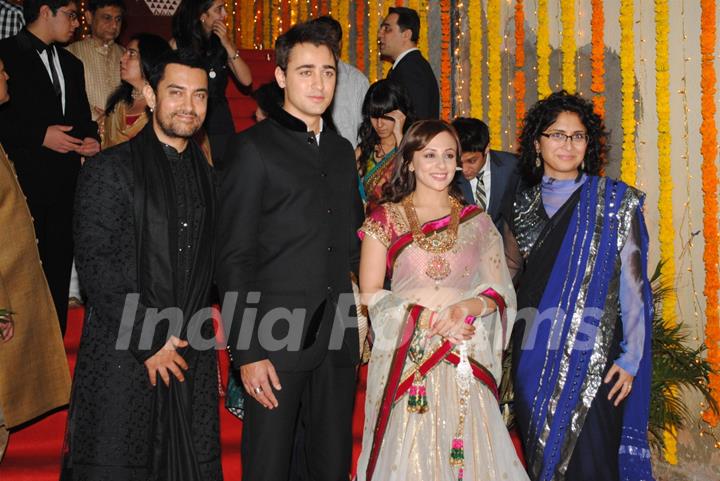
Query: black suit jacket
x=32 y=108
x=504 y=182
x=416 y=75
x=288 y=212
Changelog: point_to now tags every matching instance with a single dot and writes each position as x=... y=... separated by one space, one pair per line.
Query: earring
x=152 y=109
x=582 y=165
x=538 y=162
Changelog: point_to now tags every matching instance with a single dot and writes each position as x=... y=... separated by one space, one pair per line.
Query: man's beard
x=177 y=129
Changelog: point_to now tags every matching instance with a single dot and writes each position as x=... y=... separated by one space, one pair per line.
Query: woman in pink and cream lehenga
x=431 y=407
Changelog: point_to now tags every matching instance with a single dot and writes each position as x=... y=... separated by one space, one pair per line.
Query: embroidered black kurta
x=143 y=224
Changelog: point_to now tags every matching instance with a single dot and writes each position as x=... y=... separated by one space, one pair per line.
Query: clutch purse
x=235 y=393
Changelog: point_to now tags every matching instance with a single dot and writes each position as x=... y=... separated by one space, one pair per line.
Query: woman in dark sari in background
x=387 y=114
x=581 y=348
x=199 y=25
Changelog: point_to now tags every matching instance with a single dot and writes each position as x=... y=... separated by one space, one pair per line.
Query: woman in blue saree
x=581 y=348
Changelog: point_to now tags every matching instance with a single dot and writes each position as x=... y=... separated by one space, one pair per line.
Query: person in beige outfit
x=34 y=373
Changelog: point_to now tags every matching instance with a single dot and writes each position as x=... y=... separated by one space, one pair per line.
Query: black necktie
x=53 y=72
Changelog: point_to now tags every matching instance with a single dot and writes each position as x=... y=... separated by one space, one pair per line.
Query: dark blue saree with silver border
x=569 y=298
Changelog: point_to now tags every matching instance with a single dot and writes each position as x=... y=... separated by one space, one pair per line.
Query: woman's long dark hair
x=418 y=136
x=382 y=97
x=187 y=30
x=543 y=114
x=150 y=48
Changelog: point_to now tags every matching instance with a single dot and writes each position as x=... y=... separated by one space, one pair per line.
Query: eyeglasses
x=72 y=16
x=559 y=137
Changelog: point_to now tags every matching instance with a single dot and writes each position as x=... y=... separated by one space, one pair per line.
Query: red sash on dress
x=395 y=388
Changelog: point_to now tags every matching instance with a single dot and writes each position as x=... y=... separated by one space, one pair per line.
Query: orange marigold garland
x=266 y=20
x=597 y=24
x=258 y=22
x=709 y=149
x=343 y=16
x=494 y=36
x=445 y=63
x=475 y=53
x=569 y=49
x=386 y=66
x=666 y=231
x=294 y=11
x=373 y=25
x=360 y=35
x=285 y=13
x=424 y=27
x=543 y=50
x=519 y=79
x=628 y=168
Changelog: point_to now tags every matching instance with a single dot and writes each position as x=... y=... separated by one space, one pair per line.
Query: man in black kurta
x=143 y=225
x=288 y=210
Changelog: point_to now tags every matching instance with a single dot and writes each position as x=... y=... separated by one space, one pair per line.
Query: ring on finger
x=258 y=390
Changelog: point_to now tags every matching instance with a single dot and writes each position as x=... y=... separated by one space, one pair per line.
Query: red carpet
x=34 y=451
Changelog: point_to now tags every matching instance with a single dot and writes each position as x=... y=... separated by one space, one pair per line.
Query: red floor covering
x=33 y=453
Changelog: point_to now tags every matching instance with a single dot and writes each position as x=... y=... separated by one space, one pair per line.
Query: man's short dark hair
x=408 y=19
x=31 y=8
x=181 y=56
x=332 y=24
x=93 y=5
x=316 y=33
x=474 y=134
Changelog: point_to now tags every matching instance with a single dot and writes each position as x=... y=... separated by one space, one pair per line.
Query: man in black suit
x=46 y=128
x=288 y=210
x=489 y=177
x=397 y=38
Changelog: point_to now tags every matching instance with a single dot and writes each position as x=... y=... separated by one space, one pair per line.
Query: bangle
x=236 y=56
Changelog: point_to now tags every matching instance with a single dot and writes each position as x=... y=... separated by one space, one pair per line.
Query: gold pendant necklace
x=437 y=267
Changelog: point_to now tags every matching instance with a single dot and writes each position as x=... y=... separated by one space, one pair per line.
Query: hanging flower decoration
x=294 y=10
x=709 y=149
x=258 y=22
x=424 y=27
x=343 y=13
x=445 y=63
x=543 y=50
x=386 y=7
x=285 y=13
x=597 y=56
x=475 y=54
x=360 y=36
x=665 y=207
x=628 y=169
x=373 y=25
x=569 y=48
x=519 y=79
x=494 y=37
x=267 y=23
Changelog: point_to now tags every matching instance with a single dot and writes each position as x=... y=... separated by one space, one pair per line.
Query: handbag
x=234 y=393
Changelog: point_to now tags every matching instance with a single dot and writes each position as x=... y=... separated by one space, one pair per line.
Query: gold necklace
x=438 y=267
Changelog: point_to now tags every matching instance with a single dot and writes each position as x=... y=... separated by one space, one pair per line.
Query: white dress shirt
x=56 y=62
